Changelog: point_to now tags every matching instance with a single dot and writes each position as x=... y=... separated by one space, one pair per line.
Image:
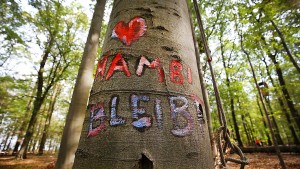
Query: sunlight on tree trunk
x=81 y=91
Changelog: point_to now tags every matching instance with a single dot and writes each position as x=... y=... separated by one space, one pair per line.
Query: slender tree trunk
x=8 y=145
x=246 y=130
x=204 y=91
x=48 y=118
x=274 y=122
x=264 y=121
x=281 y=103
x=24 y=123
x=282 y=164
x=75 y=116
x=33 y=146
x=146 y=106
x=231 y=97
x=251 y=127
x=50 y=146
x=285 y=92
x=10 y=134
x=36 y=136
x=6 y=140
x=285 y=46
x=40 y=97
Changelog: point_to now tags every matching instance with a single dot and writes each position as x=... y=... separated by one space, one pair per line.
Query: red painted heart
x=130 y=32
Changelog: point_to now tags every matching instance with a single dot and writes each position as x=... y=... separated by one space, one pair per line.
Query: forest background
x=42 y=44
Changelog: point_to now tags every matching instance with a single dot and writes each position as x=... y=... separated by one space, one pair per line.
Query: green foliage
x=10 y=21
x=225 y=23
x=54 y=29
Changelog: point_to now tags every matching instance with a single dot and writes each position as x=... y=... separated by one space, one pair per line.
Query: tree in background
x=81 y=91
x=60 y=53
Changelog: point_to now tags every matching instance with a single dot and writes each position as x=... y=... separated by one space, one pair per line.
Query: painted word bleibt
x=143 y=120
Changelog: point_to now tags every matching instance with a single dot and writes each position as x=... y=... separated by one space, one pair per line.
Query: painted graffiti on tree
x=200 y=116
x=110 y=64
x=138 y=111
x=101 y=67
x=118 y=64
x=158 y=113
x=182 y=110
x=115 y=120
x=97 y=114
x=130 y=32
x=153 y=65
x=143 y=120
x=175 y=72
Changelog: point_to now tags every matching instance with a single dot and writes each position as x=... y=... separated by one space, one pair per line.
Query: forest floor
x=257 y=161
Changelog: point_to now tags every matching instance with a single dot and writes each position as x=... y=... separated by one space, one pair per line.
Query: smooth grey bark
x=76 y=113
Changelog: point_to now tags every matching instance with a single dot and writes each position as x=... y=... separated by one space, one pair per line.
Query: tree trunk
x=5 y=141
x=285 y=92
x=246 y=130
x=48 y=118
x=139 y=117
x=204 y=91
x=24 y=123
x=75 y=116
x=35 y=137
x=231 y=97
x=50 y=146
x=274 y=122
x=252 y=131
x=40 y=97
x=284 y=110
x=10 y=134
x=282 y=164
x=264 y=121
x=286 y=48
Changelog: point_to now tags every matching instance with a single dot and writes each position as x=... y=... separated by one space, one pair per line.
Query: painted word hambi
x=119 y=64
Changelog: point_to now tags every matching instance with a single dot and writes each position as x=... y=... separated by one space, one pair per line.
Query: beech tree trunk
x=146 y=108
x=285 y=92
x=8 y=134
x=274 y=123
x=24 y=123
x=264 y=122
x=230 y=94
x=48 y=119
x=75 y=116
x=281 y=103
x=285 y=46
x=246 y=131
x=281 y=161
